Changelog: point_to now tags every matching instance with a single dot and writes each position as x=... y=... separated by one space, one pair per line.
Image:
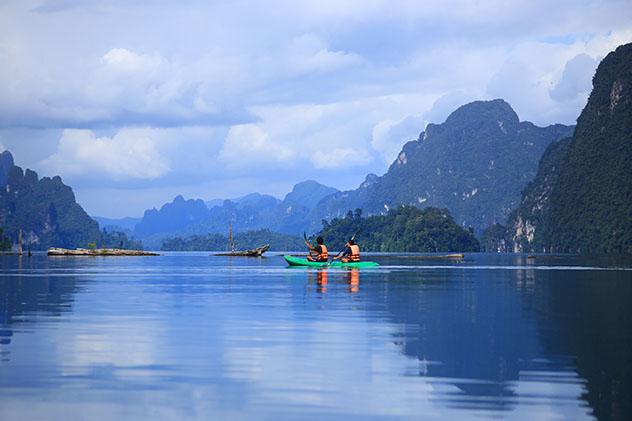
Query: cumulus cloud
x=446 y=104
x=388 y=136
x=339 y=136
x=134 y=88
x=308 y=53
x=340 y=157
x=524 y=80
x=576 y=79
x=282 y=86
x=223 y=61
x=121 y=88
x=130 y=154
x=249 y=145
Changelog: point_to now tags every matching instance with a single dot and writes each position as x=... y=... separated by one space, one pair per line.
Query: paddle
x=341 y=251
x=309 y=246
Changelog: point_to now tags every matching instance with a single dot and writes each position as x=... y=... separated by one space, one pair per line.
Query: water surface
x=195 y=336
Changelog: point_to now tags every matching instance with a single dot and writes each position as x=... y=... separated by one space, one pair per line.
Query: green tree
x=403 y=229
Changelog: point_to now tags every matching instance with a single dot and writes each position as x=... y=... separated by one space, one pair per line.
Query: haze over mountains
x=251 y=212
x=475 y=165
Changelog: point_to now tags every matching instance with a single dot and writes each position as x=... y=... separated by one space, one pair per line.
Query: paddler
x=319 y=252
x=351 y=253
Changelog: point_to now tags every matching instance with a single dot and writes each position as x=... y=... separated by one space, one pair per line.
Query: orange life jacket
x=355 y=253
x=324 y=255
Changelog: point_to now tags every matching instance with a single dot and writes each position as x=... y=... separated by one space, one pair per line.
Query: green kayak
x=297 y=261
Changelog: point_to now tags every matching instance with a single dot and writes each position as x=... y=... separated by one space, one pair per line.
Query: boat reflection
x=321 y=281
x=321 y=278
x=353 y=279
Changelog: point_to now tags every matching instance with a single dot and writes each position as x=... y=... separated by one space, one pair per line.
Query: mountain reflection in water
x=188 y=335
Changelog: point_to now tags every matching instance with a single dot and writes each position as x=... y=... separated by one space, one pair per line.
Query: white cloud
x=340 y=157
x=206 y=63
x=249 y=145
x=127 y=61
x=142 y=84
x=130 y=154
x=576 y=78
x=535 y=77
x=309 y=53
x=300 y=78
x=334 y=136
x=389 y=136
x=446 y=104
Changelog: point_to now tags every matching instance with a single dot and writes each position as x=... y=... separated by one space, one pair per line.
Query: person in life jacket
x=319 y=252
x=351 y=253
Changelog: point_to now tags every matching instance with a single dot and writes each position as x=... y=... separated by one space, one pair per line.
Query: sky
x=133 y=103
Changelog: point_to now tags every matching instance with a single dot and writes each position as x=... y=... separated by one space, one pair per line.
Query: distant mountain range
x=254 y=211
x=475 y=165
x=581 y=199
x=553 y=188
x=126 y=224
x=292 y=215
x=172 y=217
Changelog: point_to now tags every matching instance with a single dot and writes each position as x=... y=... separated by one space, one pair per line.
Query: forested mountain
x=587 y=205
x=475 y=164
x=535 y=205
x=591 y=205
x=402 y=229
x=45 y=209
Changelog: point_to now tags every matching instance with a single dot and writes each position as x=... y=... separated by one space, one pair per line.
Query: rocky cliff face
x=475 y=165
x=591 y=204
x=581 y=199
x=6 y=164
x=535 y=205
x=45 y=209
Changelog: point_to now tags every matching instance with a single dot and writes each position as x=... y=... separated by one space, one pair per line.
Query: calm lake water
x=187 y=335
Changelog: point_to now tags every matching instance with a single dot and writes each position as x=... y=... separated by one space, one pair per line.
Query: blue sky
x=134 y=103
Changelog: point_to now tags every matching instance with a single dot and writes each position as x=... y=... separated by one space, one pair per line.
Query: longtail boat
x=257 y=252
